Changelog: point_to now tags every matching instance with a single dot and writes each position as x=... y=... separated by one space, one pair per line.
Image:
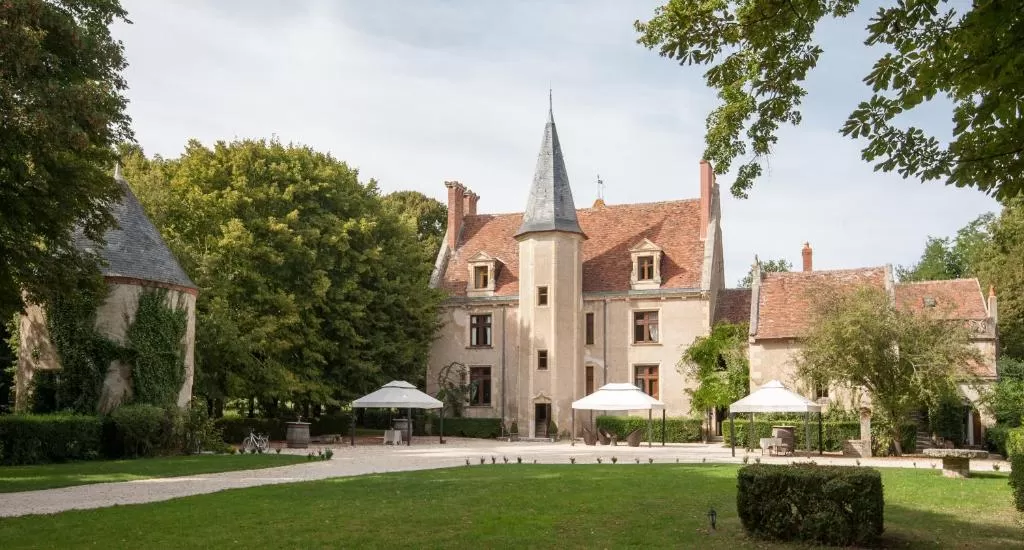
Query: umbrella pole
x=440 y=436
x=821 y=445
x=650 y=413
x=807 y=430
x=662 y=427
x=352 y=430
x=732 y=431
x=573 y=440
x=409 y=414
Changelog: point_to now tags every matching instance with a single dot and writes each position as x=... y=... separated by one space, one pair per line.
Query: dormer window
x=481 y=276
x=483 y=270
x=645 y=268
x=646 y=273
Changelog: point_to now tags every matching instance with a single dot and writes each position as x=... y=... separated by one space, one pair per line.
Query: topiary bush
x=1015 y=442
x=1017 y=480
x=677 y=430
x=995 y=439
x=41 y=439
x=834 y=505
x=135 y=431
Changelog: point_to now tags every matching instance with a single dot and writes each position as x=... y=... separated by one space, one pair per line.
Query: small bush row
x=481 y=428
x=833 y=505
x=1017 y=480
x=833 y=434
x=677 y=430
x=40 y=439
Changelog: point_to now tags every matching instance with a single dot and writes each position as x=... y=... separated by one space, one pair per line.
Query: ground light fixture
x=712 y=517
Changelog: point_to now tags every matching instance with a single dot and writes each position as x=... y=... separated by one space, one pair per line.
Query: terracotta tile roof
x=785 y=301
x=733 y=306
x=953 y=299
x=611 y=231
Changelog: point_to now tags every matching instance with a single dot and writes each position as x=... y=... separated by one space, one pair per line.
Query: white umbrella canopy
x=398 y=394
x=618 y=396
x=774 y=397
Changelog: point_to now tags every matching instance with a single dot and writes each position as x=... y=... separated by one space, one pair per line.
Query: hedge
x=136 y=431
x=834 y=434
x=1015 y=442
x=40 y=439
x=236 y=429
x=995 y=439
x=833 y=505
x=1017 y=480
x=482 y=428
x=677 y=430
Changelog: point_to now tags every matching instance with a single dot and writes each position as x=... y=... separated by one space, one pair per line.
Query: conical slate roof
x=134 y=248
x=550 y=206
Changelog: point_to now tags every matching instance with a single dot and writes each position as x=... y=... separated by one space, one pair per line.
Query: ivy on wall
x=153 y=348
x=157 y=353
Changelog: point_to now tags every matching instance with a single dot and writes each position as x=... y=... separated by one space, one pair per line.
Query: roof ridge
x=591 y=209
x=958 y=279
x=823 y=271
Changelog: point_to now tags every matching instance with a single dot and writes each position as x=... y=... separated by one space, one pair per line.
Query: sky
x=415 y=93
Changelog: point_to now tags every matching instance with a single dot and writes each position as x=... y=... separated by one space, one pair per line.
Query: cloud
x=416 y=93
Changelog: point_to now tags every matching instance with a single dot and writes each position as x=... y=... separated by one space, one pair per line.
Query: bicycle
x=255 y=441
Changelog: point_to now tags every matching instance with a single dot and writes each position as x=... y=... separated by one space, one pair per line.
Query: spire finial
x=551 y=106
x=600 y=187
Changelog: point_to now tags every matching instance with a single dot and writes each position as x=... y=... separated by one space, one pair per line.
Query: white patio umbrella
x=398 y=394
x=774 y=397
x=619 y=396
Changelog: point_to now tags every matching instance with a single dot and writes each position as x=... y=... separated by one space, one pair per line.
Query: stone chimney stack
x=993 y=307
x=456 y=209
x=808 y=259
x=707 y=185
x=469 y=207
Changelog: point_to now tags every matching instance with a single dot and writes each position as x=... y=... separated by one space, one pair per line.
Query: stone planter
x=955 y=462
x=298 y=435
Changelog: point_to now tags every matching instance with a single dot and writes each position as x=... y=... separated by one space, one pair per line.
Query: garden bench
x=956 y=462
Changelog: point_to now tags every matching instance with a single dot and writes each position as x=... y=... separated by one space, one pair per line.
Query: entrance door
x=541 y=416
x=720 y=414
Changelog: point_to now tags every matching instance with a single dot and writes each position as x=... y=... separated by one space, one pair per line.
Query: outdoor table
x=393 y=437
x=956 y=462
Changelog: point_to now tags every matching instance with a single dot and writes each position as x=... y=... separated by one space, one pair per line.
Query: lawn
x=512 y=506
x=49 y=476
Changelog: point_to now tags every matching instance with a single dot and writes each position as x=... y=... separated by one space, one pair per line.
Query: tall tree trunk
x=252 y=407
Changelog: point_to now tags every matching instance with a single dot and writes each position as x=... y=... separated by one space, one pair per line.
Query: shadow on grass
x=913 y=528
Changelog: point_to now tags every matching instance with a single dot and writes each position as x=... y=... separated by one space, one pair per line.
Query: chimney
x=469 y=203
x=807 y=252
x=993 y=308
x=456 y=207
x=707 y=185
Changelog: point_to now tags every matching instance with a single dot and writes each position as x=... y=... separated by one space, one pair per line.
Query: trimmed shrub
x=834 y=505
x=1015 y=442
x=41 y=439
x=481 y=428
x=833 y=434
x=995 y=439
x=1017 y=480
x=677 y=430
x=135 y=431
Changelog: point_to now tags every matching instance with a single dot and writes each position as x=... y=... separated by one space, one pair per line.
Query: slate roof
x=733 y=306
x=134 y=248
x=611 y=230
x=550 y=206
x=785 y=301
x=952 y=299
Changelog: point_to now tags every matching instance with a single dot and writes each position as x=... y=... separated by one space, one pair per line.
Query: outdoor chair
x=633 y=439
x=589 y=437
x=605 y=437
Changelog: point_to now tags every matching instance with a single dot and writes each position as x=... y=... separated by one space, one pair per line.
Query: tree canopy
x=429 y=216
x=758 y=54
x=310 y=289
x=904 y=359
x=61 y=112
x=999 y=263
x=945 y=258
x=719 y=364
x=767 y=266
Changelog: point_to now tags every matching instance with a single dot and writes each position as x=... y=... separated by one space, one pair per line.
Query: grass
x=49 y=476
x=502 y=506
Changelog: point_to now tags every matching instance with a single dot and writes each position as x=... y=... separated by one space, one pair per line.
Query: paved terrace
x=424 y=454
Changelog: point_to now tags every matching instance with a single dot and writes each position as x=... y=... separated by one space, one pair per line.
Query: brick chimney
x=469 y=203
x=993 y=308
x=808 y=259
x=456 y=208
x=707 y=185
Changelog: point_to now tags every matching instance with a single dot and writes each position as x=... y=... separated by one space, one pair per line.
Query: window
x=480 y=276
x=820 y=390
x=589 y=387
x=645 y=327
x=590 y=329
x=647 y=379
x=479 y=386
x=542 y=296
x=645 y=268
x=542 y=359
x=480 y=330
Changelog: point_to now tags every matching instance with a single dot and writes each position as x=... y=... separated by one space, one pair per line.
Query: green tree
x=759 y=52
x=945 y=258
x=310 y=290
x=429 y=215
x=768 y=266
x=718 y=363
x=999 y=264
x=61 y=112
x=905 y=360
x=1007 y=398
